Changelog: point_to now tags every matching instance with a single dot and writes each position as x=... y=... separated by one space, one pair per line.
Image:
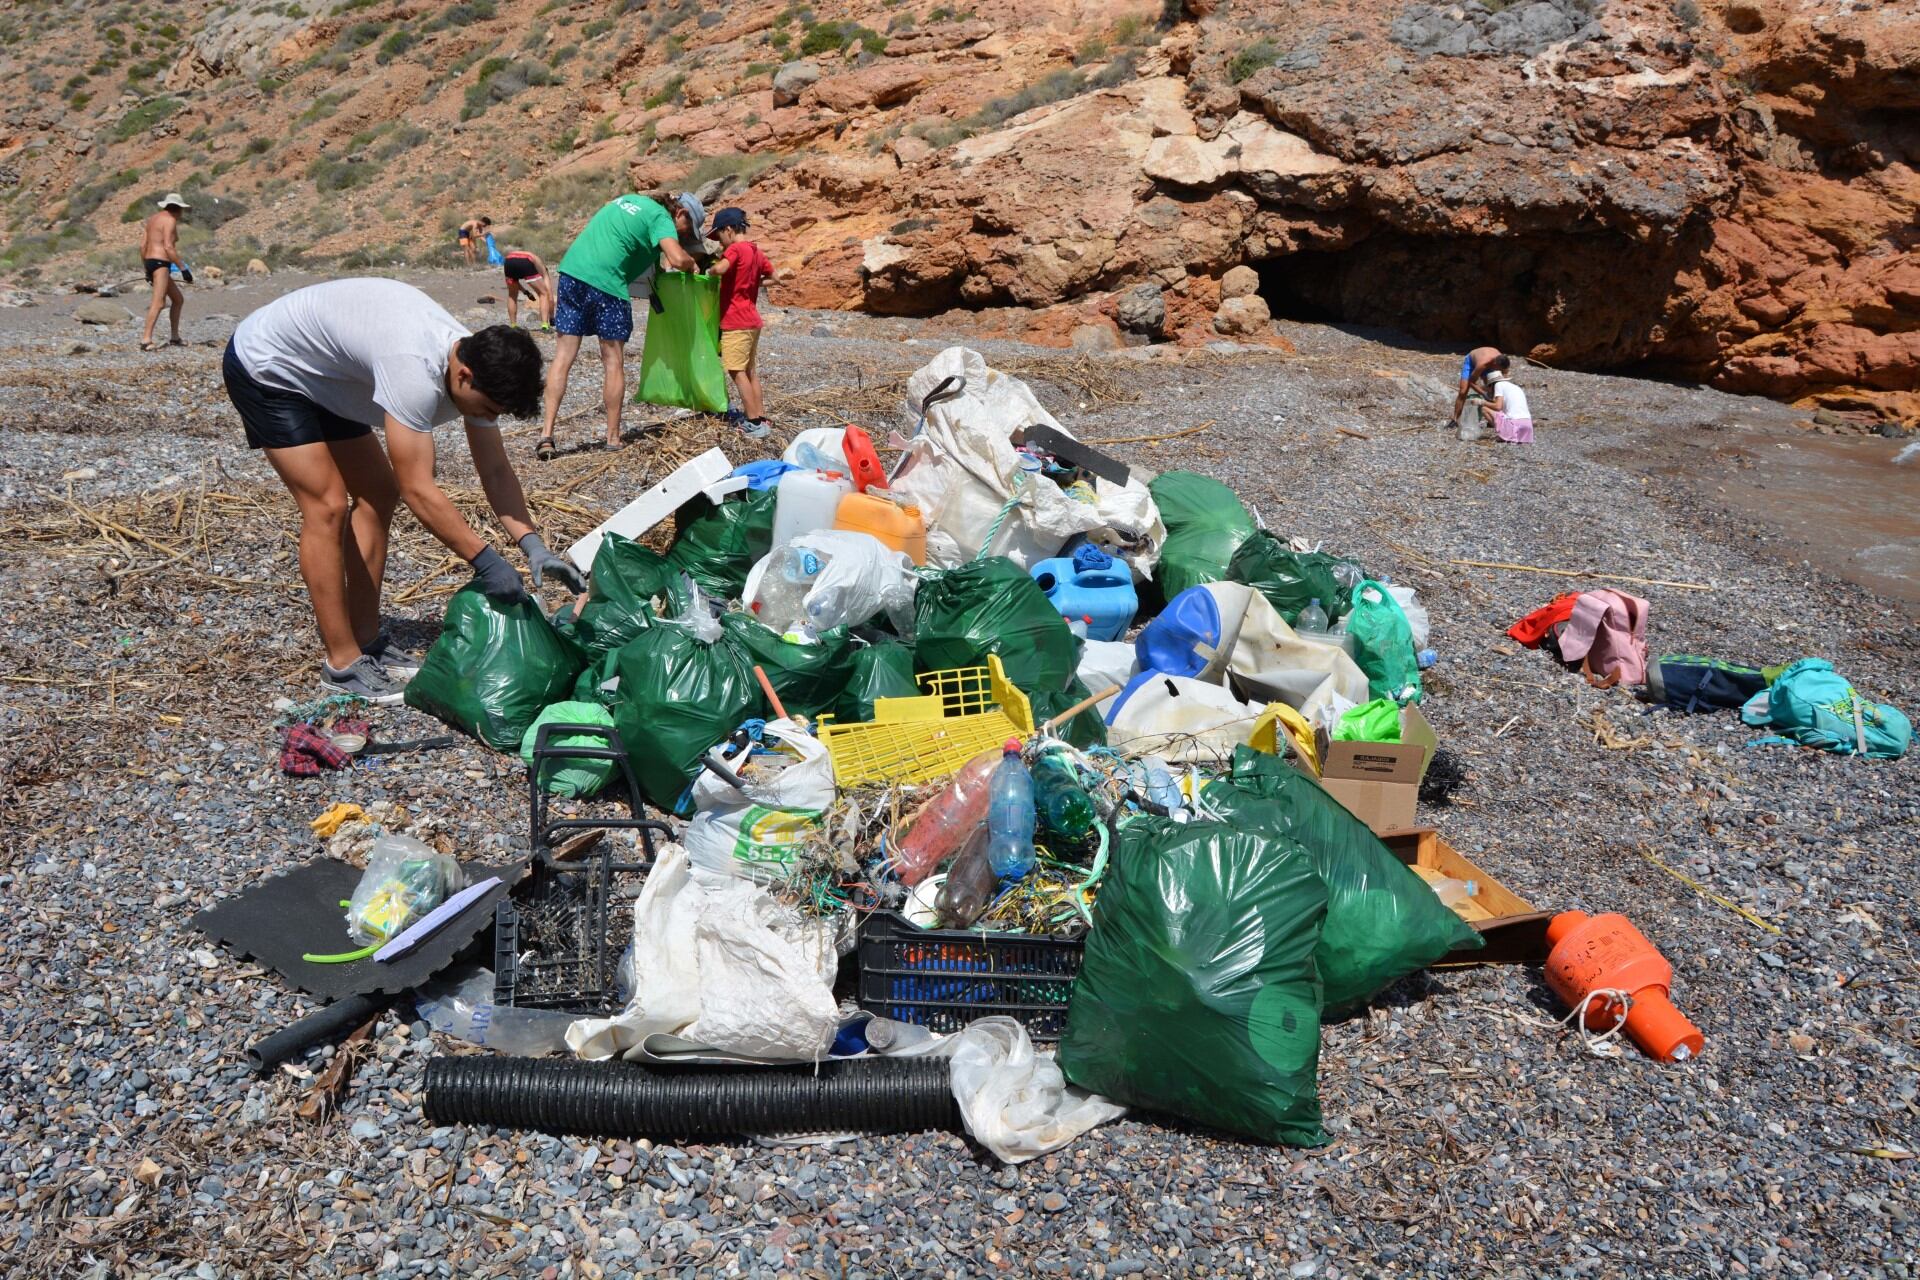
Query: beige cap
x=172 y=200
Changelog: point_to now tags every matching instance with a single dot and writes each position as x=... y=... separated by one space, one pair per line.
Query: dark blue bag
x=1688 y=682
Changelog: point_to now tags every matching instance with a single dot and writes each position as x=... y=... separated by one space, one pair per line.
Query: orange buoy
x=1606 y=953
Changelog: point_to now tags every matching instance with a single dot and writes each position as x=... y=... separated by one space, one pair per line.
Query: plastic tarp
x=1383 y=922
x=1291 y=580
x=494 y=668
x=718 y=545
x=720 y=965
x=961 y=470
x=1198 y=994
x=1179 y=718
x=679 y=695
x=680 y=364
x=1205 y=525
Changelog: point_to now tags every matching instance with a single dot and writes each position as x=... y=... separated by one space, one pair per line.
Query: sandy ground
x=153 y=616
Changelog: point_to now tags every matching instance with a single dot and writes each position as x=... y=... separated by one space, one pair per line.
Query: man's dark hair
x=485 y=221
x=1499 y=364
x=505 y=362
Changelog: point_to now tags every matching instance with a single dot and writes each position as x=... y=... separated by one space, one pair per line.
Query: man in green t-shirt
x=628 y=238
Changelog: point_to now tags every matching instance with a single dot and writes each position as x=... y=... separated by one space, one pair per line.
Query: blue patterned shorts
x=584 y=311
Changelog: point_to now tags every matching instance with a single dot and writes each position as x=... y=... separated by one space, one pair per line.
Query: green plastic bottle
x=1064 y=806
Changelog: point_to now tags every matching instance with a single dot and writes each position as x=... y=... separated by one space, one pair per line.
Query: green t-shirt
x=619 y=244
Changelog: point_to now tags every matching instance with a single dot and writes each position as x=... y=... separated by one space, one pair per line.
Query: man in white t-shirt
x=312 y=374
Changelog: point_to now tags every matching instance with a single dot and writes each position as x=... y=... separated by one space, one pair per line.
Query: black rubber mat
x=298 y=912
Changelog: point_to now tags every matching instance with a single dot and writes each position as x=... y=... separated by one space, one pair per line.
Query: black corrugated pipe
x=621 y=1100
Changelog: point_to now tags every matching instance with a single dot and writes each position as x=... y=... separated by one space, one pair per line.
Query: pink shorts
x=1513 y=430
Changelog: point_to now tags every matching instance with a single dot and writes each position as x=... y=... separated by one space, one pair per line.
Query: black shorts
x=151 y=265
x=521 y=269
x=277 y=419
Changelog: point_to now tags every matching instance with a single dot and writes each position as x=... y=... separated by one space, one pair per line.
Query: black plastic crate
x=945 y=978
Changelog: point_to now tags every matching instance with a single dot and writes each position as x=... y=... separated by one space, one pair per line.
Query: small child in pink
x=1512 y=420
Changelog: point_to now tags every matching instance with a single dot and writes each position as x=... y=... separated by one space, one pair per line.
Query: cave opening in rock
x=1296 y=287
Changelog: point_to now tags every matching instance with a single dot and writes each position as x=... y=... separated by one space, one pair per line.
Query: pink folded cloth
x=1513 y=430
x=1608 y=630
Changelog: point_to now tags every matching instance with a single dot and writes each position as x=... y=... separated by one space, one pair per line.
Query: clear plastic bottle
x=1061 y=803
x=1010 y=814
x=1077 y=625
x=885 y=1035
x=1312 y=620
x=897 y=602
x=1163 y=789
x=782 y=593
x=954 y=813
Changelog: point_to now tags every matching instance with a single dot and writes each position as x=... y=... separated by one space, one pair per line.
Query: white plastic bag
x=721 y=965
x=962 y=470
x=1182 y=719
x=739 y=833
x=860 y=576
x=1417 y=620
x=1014 y=1099
x=461 y=1005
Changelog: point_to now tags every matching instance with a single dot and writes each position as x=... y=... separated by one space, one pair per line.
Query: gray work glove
x=543 y=562
x=498 y=578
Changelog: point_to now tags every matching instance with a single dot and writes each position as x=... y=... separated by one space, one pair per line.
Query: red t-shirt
x=740 y=286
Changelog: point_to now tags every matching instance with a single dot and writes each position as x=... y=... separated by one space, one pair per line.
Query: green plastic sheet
x=1383 y=643
x=570 y=777
x=808 y=677
x=1205 y=525
x=679 y=696
x=1197 y=994
x=718 y=546
x=1290 y=580
x=1383 y=922
x=991 y=606
x=680 y=363
x=494 y=668
x=1376 y=721
x=626 y=578
x=883 y=670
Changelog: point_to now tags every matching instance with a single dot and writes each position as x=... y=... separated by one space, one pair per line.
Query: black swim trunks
x=151 y=265
x=520 y=267
x=277 y=419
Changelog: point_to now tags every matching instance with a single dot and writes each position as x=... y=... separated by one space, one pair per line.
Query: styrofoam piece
x=655 y=505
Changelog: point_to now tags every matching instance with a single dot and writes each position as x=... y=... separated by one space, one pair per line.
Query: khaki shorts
x=737 y=349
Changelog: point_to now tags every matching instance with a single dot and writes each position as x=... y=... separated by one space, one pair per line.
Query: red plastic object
x=863 y=461
x=1598 y=953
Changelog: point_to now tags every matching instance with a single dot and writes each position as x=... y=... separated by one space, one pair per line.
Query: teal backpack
x=1811 y=704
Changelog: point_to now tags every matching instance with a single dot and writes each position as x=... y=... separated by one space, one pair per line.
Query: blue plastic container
x=1167 y=643
x=1104 y=595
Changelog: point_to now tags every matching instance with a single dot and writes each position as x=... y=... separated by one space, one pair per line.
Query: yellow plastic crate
x=963 y=712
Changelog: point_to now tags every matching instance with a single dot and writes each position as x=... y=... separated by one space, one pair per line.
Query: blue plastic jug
x=1104 y=595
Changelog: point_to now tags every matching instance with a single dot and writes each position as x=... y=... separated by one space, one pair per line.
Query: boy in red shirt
x=742 y=269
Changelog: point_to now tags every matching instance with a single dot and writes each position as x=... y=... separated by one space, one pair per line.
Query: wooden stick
x=1165 y=435
x=1357 y=435
x=1078 y=707
x=1583 y=573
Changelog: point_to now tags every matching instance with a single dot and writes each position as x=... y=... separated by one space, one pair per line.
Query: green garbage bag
x=1197 y=994
x=626 y=578
x=600 y=669
x=883 y=670
x=1376 y=721
x=570 y=777
x=1383 y=922
x=991 y=606
x=494 y=668
x=1086 y=729
x=1205 y=525
x=717 y=546
x=1290 y=580
x=808 y=677
x=1383 y=643
x=679 y=696
x=680 y=364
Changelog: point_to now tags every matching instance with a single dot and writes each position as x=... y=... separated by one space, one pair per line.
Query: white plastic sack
x=1104 y=663
x=723 y=966
x=862 y=577
x=1272 y=662
x=1013 y=1098
x=962 y=469
x=1182 y=719
x=739 y=833
x=1417 y=620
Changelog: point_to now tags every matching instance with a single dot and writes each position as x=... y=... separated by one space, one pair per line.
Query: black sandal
x=545 y=450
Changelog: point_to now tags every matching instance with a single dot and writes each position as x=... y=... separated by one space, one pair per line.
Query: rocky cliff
x=1716 y=189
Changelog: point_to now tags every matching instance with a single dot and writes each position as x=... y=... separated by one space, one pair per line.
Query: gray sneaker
x=366 y=678
x=402 y=664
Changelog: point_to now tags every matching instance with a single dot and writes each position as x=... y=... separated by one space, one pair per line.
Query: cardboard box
x=1514 y=929
x=1379 y=782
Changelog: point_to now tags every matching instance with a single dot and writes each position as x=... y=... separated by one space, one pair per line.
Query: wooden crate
x=1515 y=931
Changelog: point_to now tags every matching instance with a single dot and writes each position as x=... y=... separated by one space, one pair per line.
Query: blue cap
x=730 y=218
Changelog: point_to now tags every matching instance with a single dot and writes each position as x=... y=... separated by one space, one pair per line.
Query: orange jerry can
x=900 y=527
x=1606 y=953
